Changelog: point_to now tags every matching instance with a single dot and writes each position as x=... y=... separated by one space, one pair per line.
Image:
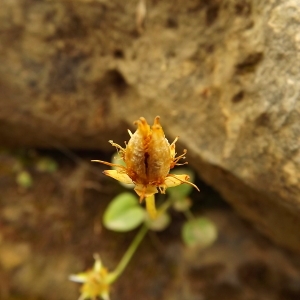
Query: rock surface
x=221 y=74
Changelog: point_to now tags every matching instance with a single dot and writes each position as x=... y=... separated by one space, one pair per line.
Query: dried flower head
x=148 y=158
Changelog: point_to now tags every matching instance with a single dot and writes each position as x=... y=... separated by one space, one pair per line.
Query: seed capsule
x=148 y=157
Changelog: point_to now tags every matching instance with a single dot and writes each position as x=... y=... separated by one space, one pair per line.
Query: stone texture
x=221 y=74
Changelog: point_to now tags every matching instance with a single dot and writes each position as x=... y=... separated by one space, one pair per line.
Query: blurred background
x=221 y=74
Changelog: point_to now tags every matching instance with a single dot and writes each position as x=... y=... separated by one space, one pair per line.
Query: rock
x=235 y=108
x=221 y=74
x=55 y=74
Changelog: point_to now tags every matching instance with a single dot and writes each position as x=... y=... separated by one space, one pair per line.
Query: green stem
x=188 y=214
x=164 y=206
x=113 y=276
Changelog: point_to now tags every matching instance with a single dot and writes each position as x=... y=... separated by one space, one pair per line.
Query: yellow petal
x=172 y=148
x=122 y=177
x=80 y=278
x=145 y=191
x=105 y=295
x=174 y=180
x=98 y=263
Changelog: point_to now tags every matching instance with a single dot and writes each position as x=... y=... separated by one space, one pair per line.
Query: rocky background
x=222 y=74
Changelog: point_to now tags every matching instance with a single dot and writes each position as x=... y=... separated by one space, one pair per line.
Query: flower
x=95 y=281
x=148 y=158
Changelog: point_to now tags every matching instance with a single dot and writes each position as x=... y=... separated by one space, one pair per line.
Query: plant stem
x=164 y=206
x=150 y=205
x=113 y=276
x=188 y=214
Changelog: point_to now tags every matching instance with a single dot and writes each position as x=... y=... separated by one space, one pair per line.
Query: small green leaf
x=46 y=164
x=123 y=213
x=160 y=223
x=116 y=159
x=183 y=190
x=199 y=231
x=24 y=179
x=182 y=204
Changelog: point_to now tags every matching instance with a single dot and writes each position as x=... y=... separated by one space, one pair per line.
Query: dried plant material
x=148 y=158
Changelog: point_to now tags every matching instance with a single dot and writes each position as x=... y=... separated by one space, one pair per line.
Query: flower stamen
x=109 y=164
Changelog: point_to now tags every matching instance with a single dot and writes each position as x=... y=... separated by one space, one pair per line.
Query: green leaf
x=116 y=159
x=182 y=204
x=123 y=213
x=200 y=231
x=160 y=223
x=24 y=179
x=183 y=190
x=46 y=164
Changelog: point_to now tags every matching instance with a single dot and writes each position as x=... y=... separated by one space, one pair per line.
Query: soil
x=52 y=229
